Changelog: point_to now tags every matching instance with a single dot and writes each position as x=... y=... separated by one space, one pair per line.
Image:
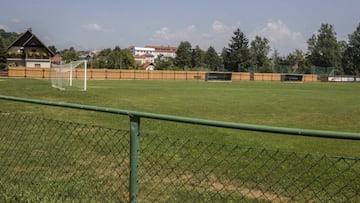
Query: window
x=37 y=65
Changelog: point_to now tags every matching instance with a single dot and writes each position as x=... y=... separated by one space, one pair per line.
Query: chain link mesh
x=46 y=160
x=188 y=170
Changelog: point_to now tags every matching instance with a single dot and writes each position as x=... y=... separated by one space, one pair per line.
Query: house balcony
x=29 y=58
x=15 y=56
x=36 y=57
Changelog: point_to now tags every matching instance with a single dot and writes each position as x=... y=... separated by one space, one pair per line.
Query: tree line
x=324 y=50
x=116 y=58
x=6 y=38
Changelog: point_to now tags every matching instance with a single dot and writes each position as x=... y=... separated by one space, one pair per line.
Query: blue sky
x=98 y=24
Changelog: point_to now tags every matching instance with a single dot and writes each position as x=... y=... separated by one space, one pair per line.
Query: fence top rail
x=232 y=125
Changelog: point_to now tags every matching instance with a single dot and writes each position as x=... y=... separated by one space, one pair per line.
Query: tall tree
x=164 y=64
x=114 y=58
x=183 y=55
x=238 y=53
x=197 y=56
x=2 y=55
x=259 y=49
x=105 y=52
x=70 y=55
x=276 y=58
x=212 y=60
x=298 y=60
x=53 y=49
x=351 y=55
x=225 y=56
x=324 y=49
x=127 y=59
x=8 y=37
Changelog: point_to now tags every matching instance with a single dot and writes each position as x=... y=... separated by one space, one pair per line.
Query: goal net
x=69 y=76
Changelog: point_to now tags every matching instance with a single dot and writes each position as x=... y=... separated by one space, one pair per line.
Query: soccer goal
x=69 y=76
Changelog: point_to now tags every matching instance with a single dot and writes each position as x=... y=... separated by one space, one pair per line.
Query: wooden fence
x=117 y=74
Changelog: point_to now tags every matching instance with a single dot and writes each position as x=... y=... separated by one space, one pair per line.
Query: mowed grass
x=67 y=161
x=321 y=106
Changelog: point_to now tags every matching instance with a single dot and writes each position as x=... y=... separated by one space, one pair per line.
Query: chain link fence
x=188 y=170
x=45 y=160
x=315 y=70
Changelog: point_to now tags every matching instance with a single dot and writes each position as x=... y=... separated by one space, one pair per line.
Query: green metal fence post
x=134 y=158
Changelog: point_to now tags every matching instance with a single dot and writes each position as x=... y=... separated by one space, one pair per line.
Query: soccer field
x=53 y=153
x=322 y=106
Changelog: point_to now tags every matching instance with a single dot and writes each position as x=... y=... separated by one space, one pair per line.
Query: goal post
x=71 y=75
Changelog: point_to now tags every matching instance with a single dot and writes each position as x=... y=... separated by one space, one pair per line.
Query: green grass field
x=68 y=161
x=323 y=106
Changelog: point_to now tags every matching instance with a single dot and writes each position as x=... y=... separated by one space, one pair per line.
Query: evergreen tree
x=183 y=55
x=324 y=49
x=197 y=56
x=225 y=55
x=351 y=55
x=2 y=55
x=212 y=60
x=238 y=53
x=53 y=49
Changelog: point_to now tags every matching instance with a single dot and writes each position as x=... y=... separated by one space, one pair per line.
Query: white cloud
x=95 y=27
x=191 y=29
x=164 y=34
x=4 y=27
x=281 y=37
x=219 y=27
x=219 y=34
x=15 y=20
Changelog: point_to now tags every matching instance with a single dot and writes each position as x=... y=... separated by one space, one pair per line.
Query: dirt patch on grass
x=212 y=183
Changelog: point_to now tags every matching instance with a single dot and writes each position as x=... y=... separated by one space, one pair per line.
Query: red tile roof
x=146 y=64
x=56 y=59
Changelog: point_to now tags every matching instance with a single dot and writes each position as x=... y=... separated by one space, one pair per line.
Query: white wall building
x=149 y=54
x=138 y=51
x=164 y=51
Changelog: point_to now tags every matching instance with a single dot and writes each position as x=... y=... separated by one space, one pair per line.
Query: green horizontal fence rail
x=241 y=126
x=135 y=149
